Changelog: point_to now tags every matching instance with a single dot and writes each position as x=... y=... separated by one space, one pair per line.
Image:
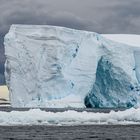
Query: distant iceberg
x=50 y=66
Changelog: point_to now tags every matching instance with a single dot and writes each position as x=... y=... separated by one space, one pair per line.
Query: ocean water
x=104 y=110
x=82 y=132
x=93 y=132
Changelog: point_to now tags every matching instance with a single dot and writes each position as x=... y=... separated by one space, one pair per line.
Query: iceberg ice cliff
x=49 y=66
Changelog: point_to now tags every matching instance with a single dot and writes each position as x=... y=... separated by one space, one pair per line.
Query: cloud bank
x=102 y=16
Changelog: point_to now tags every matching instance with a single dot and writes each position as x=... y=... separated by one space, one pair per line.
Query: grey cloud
x=103 y=16
x=87 y=14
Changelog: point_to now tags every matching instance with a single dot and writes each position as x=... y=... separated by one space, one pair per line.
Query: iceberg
x=50 y=66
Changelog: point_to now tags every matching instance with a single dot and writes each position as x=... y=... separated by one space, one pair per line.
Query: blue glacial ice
x=49 y=66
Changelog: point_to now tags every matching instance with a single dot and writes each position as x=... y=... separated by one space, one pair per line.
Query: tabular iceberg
x=49 y=66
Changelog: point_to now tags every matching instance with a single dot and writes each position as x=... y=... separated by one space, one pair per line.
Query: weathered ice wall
x=48 y=66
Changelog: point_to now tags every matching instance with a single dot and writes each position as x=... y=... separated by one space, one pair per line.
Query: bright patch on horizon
x=4 y=93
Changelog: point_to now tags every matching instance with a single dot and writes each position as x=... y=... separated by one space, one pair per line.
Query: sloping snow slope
x=129 y=39
x=49 y=66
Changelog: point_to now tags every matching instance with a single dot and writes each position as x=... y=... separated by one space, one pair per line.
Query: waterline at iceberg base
x=69 y=118
x=50 y=66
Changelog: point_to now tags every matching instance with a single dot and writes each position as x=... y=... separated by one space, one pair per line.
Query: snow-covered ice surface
x=49 y=66
x=129 y=39
x=38 y=117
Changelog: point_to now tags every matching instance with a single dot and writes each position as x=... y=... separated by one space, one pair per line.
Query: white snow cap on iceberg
x=129 y=39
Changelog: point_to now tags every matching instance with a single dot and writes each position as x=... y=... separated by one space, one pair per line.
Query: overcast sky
x=102 y=16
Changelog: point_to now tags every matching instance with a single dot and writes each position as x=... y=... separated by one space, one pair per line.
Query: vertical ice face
x=112 y=88
x=50 y=66
x=137 y=64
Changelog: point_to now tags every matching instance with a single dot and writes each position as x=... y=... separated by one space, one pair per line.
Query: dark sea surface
x=83 y=132
x=104 y=110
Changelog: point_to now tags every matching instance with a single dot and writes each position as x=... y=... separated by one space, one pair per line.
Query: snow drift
x=49 y=66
